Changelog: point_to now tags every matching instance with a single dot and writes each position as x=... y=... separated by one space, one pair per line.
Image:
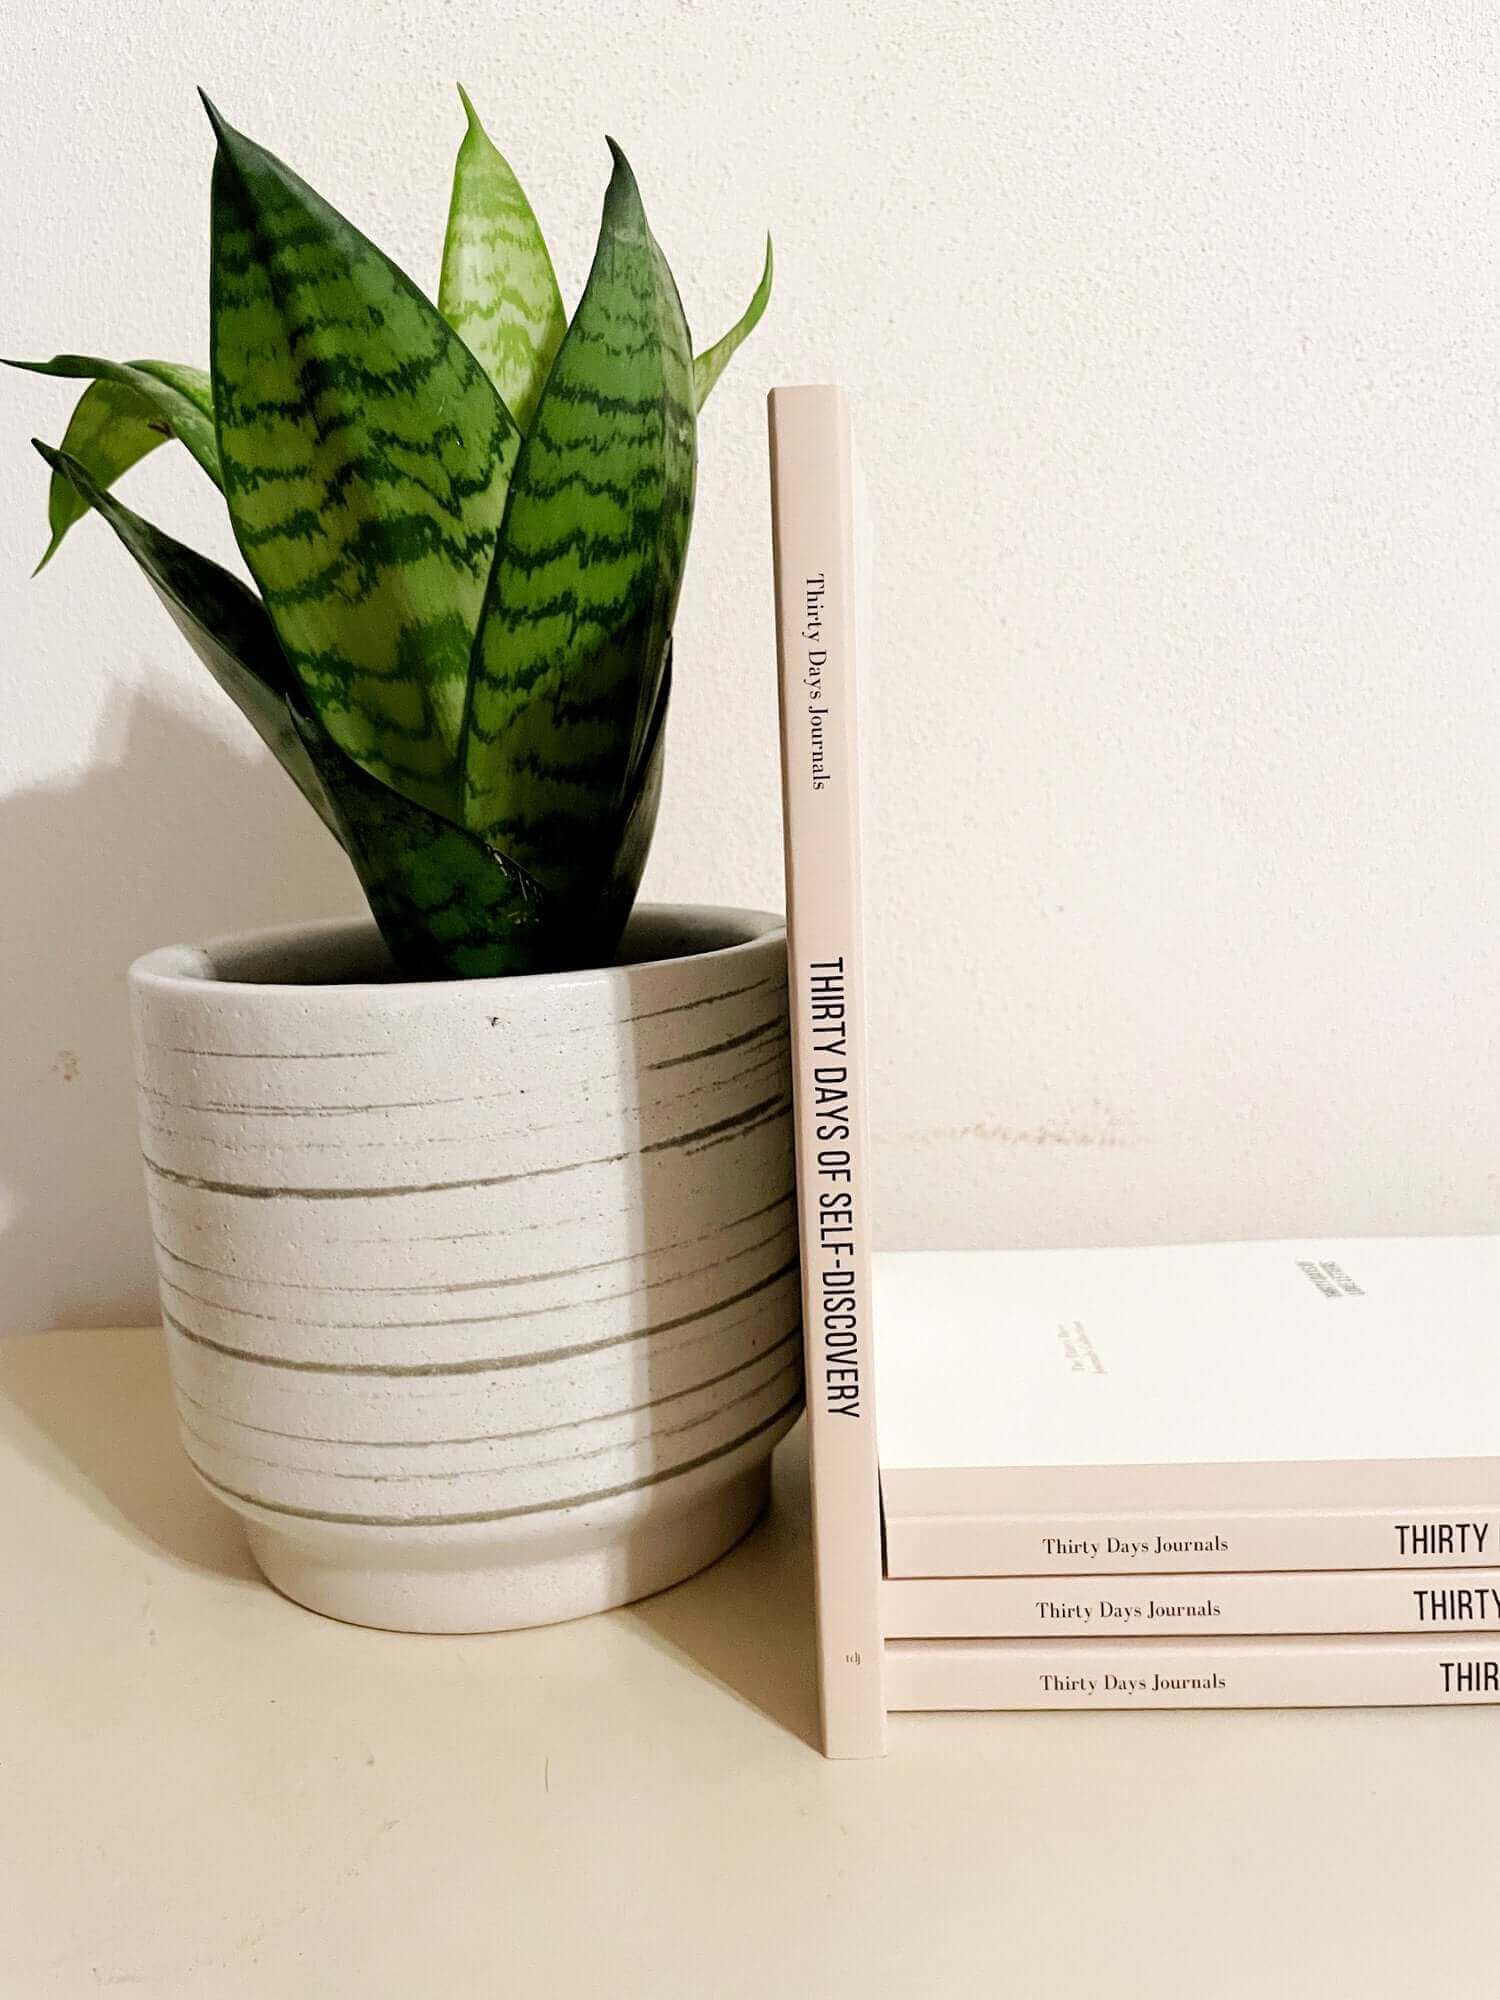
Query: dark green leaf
x=641 y=809
x=710 y=366
x=448 y=906
x=498 y=289
x=128 y=410
x=365 y=458
x=225 y=625
x=578 y=618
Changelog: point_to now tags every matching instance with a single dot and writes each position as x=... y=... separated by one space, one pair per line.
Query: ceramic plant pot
x=481 y=1297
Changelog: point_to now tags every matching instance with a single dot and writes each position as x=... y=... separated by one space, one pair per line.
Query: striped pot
x=481 y=1298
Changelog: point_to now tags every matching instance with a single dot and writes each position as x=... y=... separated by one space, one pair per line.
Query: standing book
x=813 y=528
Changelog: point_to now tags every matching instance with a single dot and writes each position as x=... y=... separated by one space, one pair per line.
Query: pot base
x=489 y=1579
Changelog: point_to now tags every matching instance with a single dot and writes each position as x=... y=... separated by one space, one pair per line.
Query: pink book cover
x=1182 y=1673
x=1111 y=1607
x=812 y=505
x=1206 y=1407
x=1353 y=1515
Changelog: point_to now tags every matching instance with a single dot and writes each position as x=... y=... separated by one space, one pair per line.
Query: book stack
x=1232 y=1475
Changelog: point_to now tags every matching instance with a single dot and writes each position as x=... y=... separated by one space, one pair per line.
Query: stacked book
x=1231 y=1475
x=1234 y=1475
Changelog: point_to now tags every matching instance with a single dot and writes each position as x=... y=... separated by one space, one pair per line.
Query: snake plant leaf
x=128 y=409
x=365 y=457
x=448 y=907
x=577 y=622
x=640 y=814
x=225 y=624
x=498 y=290
x=710 y=365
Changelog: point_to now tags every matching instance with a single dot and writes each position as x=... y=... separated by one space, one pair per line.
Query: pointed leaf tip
x=497 y=289
x=623 y=171
x=236 y=150
x=468 y=104
x=708 y=367
x=63 y=467
x=215 y=116
x=624 y=206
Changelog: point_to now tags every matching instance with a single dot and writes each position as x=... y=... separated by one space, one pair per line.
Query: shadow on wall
x=175 y=834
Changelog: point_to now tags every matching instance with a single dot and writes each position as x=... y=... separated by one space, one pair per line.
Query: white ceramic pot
x=481 y=1297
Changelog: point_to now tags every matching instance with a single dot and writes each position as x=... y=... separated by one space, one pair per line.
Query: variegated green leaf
x=225 y=625
x=578 y=618
x=642 y=804
x=709 y=366
x=498 y=289
x=365 y=457
x=128 y=409
x=447 y=906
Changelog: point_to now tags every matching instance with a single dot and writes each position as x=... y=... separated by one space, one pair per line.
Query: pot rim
x=188 y=968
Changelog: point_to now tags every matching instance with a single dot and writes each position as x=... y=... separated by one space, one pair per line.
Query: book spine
x=1070 y=1607
x=952 y=1545
x=1176 y=1673
x=812 y=506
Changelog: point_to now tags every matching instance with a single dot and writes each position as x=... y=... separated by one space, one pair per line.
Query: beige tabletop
x=207 y=1791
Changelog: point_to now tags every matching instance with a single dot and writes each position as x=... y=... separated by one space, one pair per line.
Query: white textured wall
x=1176 y=332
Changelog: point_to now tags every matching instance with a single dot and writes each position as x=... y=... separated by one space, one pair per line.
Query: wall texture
x=1176 y=336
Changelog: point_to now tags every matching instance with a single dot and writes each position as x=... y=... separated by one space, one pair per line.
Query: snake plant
x=466 y=523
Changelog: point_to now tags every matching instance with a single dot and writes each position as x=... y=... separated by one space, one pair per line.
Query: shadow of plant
x=171 y=834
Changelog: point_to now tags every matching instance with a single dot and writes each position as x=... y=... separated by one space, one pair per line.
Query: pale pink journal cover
x=1303 y=1404
x=1177 y=1673
x=812 y=505
x=1195 y=1605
